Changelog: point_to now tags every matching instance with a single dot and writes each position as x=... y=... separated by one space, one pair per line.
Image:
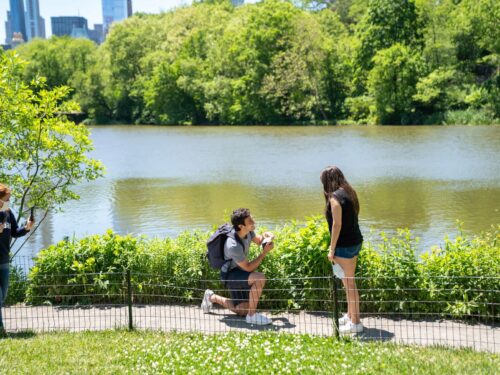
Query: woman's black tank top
x=350 y=234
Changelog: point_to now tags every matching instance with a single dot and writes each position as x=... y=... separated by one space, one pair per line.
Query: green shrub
x=17 y=286
x=389 y=274
x=470 y=117
x=465 y=275
x=87 y=270
x=460 y=279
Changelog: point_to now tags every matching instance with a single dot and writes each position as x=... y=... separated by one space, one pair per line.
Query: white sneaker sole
x=260 y=324
x=351 y=331
x=205 y=304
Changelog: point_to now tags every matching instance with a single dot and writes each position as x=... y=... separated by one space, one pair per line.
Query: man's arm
x=254 y=264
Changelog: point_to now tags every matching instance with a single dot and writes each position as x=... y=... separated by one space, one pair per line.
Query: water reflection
x=162 y=181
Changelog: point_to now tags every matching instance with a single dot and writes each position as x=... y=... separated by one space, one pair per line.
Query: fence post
x=129 y=301
x=335 y=307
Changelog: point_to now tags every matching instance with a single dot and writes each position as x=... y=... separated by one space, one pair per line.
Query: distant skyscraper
x=15 y=21
x=115 y=10
x=8 y=30
x=97 y=34
x=65 y=25
x=35 y=25
x=129 y=8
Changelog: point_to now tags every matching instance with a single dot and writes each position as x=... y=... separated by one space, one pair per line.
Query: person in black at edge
x=341 y=211
x=8 y=229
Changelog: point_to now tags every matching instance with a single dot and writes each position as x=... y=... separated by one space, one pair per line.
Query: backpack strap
x=238 y=239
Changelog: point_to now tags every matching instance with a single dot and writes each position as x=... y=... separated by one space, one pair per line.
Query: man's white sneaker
x=351 y=328
x=338 y=271
x=206 y=304
x=344 y=320
x=258 y=319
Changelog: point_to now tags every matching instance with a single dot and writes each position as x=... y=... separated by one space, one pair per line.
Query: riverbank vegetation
x=458 y=278
x=274 y=62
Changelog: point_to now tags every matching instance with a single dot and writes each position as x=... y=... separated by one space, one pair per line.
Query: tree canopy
x=278 y=62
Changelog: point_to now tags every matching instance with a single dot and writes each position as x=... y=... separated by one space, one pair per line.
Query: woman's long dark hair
x=333 y=179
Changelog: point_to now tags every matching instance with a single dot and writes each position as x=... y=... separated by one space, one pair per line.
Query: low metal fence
x=311 y=305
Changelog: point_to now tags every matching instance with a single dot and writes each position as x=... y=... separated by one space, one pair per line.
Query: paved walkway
x=190 y=318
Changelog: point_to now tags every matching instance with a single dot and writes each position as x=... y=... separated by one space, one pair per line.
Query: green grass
x=109 y=352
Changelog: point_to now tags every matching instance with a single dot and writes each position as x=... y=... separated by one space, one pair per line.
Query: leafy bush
x=17 y=286
x=470 y=117
x=389 y=274
x=465 y=274
x=462 y=278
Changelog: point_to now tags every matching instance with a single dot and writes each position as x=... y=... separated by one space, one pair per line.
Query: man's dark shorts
x=237 y=283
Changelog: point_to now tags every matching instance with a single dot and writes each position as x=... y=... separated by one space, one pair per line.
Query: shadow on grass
x=21 y=335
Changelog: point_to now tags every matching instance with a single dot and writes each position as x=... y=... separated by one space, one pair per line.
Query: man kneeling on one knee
x=244 y=284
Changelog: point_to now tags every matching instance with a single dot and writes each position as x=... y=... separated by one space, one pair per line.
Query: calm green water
x=164 y=180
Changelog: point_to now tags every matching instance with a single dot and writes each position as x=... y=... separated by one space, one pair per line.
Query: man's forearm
x=254 y=264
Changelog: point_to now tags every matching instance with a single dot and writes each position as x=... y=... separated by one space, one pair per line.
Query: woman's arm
x=336 y=226
x=15 y=230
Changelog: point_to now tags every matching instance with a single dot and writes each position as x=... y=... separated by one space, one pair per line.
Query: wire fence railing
x=439 y=314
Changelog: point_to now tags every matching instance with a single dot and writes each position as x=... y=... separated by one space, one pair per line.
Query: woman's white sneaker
x=206 y=304
x=344 y=320
x=351 y=328
x=258 y=319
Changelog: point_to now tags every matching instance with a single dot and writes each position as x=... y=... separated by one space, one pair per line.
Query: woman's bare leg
x=349 y=267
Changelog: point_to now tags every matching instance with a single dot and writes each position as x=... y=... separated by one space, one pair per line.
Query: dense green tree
x=434 y=93
x=165 y=100
x=386 y=23
x=127 y=44
x=241 y=59
x=476 y=37
x=349 y=12
x=307 y=81
x=61 y=60
x=392 y=82
x=439 y=49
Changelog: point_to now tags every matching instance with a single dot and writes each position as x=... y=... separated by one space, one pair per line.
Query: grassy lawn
x=142 y=352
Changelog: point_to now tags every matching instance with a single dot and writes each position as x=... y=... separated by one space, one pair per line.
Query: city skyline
x=92 y=10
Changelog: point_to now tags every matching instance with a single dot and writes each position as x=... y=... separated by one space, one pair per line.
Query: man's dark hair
x=238 y=217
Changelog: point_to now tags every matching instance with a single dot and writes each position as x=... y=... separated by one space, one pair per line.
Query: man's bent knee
x=257 y=279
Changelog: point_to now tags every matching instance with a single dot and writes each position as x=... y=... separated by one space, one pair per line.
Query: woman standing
x=341 y=211
x=8 y=229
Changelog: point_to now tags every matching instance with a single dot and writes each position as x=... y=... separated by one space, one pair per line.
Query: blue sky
x=90 y=9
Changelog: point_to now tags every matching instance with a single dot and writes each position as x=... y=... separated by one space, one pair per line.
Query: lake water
x=164 y=180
